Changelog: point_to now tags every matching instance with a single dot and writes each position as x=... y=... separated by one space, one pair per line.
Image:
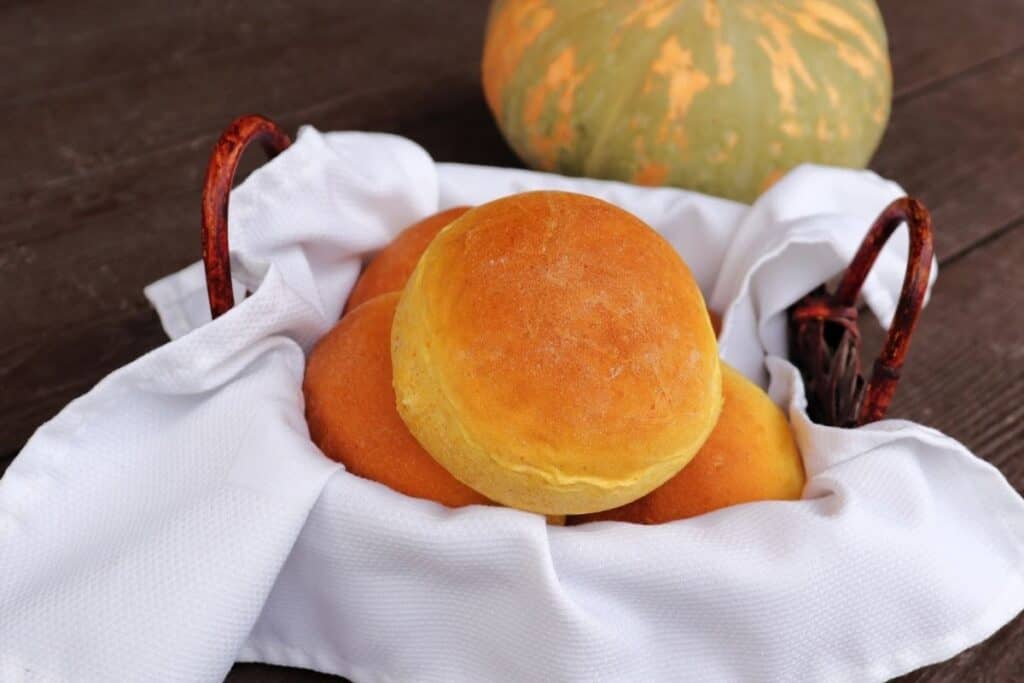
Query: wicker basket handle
x=220 y=176
x=825 y=340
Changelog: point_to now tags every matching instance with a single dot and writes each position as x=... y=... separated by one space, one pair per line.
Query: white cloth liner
x=177 y=517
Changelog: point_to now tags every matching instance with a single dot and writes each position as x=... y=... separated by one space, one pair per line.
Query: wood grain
x=112 y=108
x=932 y=42
x=289 y=67
x=960 y=149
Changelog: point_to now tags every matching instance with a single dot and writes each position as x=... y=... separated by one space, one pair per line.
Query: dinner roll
x=350 y=408
x=392 y=266
x=751 y=455
x=553 y=352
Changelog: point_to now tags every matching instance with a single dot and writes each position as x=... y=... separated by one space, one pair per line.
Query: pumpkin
x=719 y=97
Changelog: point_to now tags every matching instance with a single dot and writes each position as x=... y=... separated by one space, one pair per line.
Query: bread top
x=561 y=338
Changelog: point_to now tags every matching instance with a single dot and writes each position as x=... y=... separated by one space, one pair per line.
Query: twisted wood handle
x=886 y=372
x=825 y=340
x=220 y=176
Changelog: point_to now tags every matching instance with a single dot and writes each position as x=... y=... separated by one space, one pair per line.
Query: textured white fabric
x=177 y=517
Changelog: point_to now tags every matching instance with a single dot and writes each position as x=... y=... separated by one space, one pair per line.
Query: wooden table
x=111 y=108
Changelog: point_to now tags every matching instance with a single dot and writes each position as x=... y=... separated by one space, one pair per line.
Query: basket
x=825 y=341
x=178 y=518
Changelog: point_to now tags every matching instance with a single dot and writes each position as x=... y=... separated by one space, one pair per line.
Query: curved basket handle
x=220 y=176
x=825 y=338
x=886 y=371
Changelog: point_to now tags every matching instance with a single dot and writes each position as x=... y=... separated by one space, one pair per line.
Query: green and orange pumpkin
x=720 y=96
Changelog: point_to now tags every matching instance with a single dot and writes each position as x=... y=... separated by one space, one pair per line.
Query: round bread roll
x=751 y=455
x=350 y=408
x=391 y=267
x=553 y=352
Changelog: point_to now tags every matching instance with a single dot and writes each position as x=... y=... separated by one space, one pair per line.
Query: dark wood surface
x=110 y=110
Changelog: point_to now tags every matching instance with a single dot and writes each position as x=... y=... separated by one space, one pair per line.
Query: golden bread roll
x=553 y=352
x=391 y=267
x=350 y=408
x=751 y=455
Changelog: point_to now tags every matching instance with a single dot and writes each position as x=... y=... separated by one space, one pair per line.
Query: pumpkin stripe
x=784 y=58
x=651 y=12
x=609 y=124
x=685 y=80
x=712 y=14
x=561 y=80
x=830 y=14
x=512 y=32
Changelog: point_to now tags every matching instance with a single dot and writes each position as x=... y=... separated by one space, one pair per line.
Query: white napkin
x=177 y=516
